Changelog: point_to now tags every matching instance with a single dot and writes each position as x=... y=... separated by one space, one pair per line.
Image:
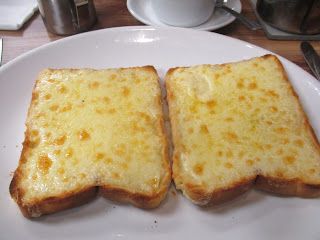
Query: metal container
x=66 y=17
x=294 y=16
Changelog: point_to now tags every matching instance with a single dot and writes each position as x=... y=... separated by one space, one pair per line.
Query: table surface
x=114 y=13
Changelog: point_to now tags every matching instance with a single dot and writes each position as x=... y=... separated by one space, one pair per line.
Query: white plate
x=142 y=10
x=255 y=215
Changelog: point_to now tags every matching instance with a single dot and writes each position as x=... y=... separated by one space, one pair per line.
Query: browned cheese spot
x=252 y=86
x=44 y=163
x=285 y=141
x=241 y=98
x=198 y=169
x=53 y=108
x=106 y=99
x=99 y=156
x=94 y=85
x=228 y=165
x=219 y=153
x=190 y=130
x=125 y=91
x=268 y=146
x=61 y=171
x=211 y=104
x=115 y=175
x=108 y=160
x=204 y=129
x=145 y=116
x=240 y=85
x=99 y=110
x=272 y=93
x=112 y=111
x=249 y=162
x=299 y=143
x=48 y=134
x=289 y=159
x=69 y=153
x=34 y=133
x=280 y=130
x=194 y=108
x=60 y=140
x=231 y=136
x=120 y=150
x=312 y=171
x=57 y=152
x=229 y=119
x=47 y=96
x=66 y=108
x=124 y=166
x=84 y=135
x=62 y=89
x=269 y=122
x=273 y=109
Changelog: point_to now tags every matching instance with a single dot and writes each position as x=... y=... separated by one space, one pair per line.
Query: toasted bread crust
x=286 y=187
x=200 y=195
x=81 y=196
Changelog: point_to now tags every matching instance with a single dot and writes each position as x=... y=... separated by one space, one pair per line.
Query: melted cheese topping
x=238 y=120
x=94 y=128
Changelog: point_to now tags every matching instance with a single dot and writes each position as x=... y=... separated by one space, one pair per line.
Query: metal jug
x=294 y=16
x=66 y=17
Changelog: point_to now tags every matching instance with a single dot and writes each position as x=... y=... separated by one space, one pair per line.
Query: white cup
x=183 y=13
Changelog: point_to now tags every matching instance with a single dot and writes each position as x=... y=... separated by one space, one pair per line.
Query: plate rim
x=22 y=56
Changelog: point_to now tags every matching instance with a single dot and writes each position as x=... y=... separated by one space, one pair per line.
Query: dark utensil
x=312 y=58
x=253 y=25
x=294 y=16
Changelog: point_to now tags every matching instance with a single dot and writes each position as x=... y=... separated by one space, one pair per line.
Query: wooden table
x=114 y=13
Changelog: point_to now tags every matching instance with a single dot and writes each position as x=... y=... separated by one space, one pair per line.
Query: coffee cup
x=183 y=13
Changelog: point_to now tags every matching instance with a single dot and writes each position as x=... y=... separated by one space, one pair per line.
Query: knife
x=0 y=51
x=312 y=58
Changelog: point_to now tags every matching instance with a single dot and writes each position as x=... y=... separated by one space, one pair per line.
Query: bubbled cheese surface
x=236 y=121
x=94 y=128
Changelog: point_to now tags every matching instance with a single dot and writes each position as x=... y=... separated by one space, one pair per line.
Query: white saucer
x=142 y=10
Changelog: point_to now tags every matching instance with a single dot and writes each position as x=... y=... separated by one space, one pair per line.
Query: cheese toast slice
x=90 y=130
x=238 y=125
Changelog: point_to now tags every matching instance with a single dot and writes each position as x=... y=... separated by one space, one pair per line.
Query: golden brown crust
x=200 y=196
x=137 y=199
x=294 y=187
x=81 y=196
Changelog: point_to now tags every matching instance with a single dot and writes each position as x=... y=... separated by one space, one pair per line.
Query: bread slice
x=90 y=130
x=239 y=124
